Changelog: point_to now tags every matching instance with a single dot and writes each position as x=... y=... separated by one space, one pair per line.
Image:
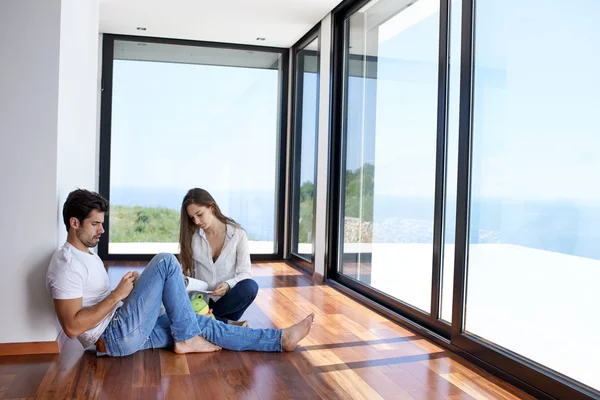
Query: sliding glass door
x=304 y=141
x=533 y=225
x=389 y=145
x=465 y=155
x=178 y=115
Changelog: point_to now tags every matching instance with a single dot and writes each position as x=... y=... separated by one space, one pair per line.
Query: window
x=518 y=151
x=389 y=145
x=184 y=116
x=534 y=258
x=304 y=154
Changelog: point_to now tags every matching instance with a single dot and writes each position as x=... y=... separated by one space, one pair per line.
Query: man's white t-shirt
x=72 y=274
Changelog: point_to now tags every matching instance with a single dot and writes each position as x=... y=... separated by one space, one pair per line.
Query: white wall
x=323 y=145
x=29 y=44
x=35 y=122
x=77 y=101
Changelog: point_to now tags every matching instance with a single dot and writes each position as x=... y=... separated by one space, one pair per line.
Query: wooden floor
x=351 y=352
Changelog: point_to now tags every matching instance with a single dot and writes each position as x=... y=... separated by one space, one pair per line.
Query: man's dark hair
x=80 y=203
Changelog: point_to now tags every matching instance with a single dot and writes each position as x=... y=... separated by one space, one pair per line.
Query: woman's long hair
x=199 y=197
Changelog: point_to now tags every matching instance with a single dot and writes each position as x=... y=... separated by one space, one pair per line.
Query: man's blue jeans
x=137 y=326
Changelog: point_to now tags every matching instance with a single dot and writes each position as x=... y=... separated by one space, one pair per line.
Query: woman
x=214 y=249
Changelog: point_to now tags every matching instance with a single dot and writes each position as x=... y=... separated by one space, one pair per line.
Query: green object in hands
x=200 y=306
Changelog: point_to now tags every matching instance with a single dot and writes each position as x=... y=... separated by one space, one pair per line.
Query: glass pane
x=390 y=143
x=451 y=161
x=534 y=253
x=185 y=117
x=305 y=135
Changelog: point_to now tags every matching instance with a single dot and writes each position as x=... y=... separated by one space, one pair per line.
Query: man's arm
x=76 y=319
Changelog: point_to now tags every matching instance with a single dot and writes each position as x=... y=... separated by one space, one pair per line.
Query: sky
x=536 y=92
x=182 y=126
x=535 y=134
x=536 y=95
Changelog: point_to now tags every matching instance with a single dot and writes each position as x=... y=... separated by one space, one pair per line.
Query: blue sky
x=182 y=126
x=536 y=95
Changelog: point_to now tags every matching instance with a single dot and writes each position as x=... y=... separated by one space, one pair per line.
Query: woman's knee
x=250 y=287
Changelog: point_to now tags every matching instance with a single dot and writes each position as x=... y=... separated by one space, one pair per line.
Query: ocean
x=567 y=227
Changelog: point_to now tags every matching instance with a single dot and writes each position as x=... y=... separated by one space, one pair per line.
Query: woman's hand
x=221 y=289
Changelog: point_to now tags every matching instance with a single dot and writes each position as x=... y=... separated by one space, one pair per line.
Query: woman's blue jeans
x=136 y=325
x=236 y=301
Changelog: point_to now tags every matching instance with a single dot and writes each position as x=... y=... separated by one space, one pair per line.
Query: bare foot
x=295 y=333
x=197 y=344
x=243 y=324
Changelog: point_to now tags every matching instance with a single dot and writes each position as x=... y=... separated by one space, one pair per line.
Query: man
x=127 y=319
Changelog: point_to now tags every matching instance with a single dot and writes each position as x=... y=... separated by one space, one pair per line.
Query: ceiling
x=280 y=22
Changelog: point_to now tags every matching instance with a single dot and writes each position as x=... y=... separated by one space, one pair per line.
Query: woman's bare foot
x=197 y=344
x=295 y=333
x=243 y=324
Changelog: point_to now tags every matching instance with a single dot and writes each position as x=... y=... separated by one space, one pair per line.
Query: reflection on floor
x=514 y=293
x=351 y=352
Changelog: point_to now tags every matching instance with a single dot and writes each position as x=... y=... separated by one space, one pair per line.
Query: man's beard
x=84 y=241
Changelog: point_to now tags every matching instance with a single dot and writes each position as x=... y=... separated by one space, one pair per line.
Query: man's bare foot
x=197 y=344
x=295 y=333
x=243 y=324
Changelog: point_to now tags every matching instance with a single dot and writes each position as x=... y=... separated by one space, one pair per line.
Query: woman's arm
x=242 y=261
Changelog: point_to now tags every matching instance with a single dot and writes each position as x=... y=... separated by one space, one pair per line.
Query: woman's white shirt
x=232 y=265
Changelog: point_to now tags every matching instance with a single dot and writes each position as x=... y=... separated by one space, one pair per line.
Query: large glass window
x=189 y=116
x=390 y=147
x=305 y=134
x=534 y=253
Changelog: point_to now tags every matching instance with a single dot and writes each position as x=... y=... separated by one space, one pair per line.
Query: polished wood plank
x=172 y=363
x=20 y=398
x=118 y=377
x=147 y=393
x=114 y=391
x=61 y=374
x=5 y=381
x=177 y=387
x=89 y=376
x=29 y=377
x=237 y=382
x=209 y=385
x=147 y=369
x=351 y=353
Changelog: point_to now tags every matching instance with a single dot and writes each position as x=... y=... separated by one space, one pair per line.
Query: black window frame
x=431 y=320
x=106 y=122
x=534 y=378
x=296 y=144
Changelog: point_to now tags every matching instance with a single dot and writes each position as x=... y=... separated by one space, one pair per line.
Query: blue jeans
x=136 y=324
x=236 y=301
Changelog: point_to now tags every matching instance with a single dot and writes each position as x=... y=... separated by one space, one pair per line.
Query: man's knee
x=168 y=260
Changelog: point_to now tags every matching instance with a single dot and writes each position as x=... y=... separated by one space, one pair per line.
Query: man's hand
x=75 y=319
x=125 y=287
x=221 y=289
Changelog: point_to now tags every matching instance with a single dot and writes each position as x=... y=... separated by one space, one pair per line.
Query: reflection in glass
x=305 y=135
x=184 y=117
x=534 y=254
x=390 y=144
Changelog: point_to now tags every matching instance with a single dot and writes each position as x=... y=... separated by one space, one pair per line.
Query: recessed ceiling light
x=260 y=38
x=141 y=28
